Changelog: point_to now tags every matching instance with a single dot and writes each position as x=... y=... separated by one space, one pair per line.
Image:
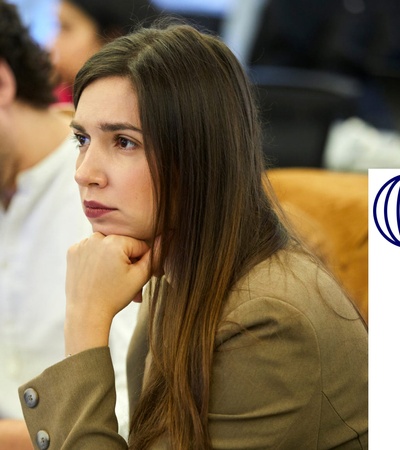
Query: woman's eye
x=81 y=140
x=125 y=143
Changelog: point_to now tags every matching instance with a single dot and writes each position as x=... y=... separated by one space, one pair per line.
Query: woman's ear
x=8 y=86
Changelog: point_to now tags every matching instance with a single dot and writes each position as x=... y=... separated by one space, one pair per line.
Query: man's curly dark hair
x=29 y=62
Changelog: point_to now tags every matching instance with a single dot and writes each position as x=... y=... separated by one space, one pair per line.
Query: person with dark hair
x=85 y=26
x=243 y=340
x=40 y=218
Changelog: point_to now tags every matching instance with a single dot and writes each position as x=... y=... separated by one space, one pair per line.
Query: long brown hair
x=202 y=139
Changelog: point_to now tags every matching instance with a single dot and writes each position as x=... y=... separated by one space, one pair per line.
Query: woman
x=245 y=341
x=84 y=27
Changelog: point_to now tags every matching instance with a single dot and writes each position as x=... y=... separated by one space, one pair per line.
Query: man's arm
x=14 y=435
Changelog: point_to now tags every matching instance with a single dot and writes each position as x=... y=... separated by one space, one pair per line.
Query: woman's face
x=112 y=170
x=77 y=40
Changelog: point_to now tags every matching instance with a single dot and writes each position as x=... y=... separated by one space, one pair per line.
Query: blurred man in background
x=40 y=218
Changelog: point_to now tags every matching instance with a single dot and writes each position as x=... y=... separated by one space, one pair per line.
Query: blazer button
x=43 y=440
x=31 y=398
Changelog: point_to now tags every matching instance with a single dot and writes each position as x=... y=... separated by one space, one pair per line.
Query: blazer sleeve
x=266 y=380
x=71 y=405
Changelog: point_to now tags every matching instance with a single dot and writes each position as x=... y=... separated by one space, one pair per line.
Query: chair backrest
x=329 y=210
x=297 y=107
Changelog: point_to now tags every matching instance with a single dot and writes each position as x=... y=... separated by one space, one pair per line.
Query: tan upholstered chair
x=330 y=212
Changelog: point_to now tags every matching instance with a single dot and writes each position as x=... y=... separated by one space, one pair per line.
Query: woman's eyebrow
x=117 y=126
x=76 y=125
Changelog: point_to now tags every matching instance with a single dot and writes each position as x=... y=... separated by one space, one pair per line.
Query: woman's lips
x=94 y=210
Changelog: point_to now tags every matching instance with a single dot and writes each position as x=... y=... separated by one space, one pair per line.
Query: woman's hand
x=104 y=274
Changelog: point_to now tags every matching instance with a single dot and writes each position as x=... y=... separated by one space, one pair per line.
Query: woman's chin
x=118 y=231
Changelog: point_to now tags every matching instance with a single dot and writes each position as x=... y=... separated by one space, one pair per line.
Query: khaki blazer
x=289 y=372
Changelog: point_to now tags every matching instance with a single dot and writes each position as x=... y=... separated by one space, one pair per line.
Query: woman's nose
x=90 y=170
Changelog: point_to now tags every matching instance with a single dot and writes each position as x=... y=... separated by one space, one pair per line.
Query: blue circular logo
x=386 y=211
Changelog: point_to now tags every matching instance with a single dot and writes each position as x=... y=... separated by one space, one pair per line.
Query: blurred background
x=41 y=15
x=326 y=77
x=326 y=73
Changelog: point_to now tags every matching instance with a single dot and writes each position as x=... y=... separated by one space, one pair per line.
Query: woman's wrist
x=83 y=333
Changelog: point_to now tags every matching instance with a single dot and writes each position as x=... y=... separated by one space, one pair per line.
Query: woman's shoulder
x=289 y=284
